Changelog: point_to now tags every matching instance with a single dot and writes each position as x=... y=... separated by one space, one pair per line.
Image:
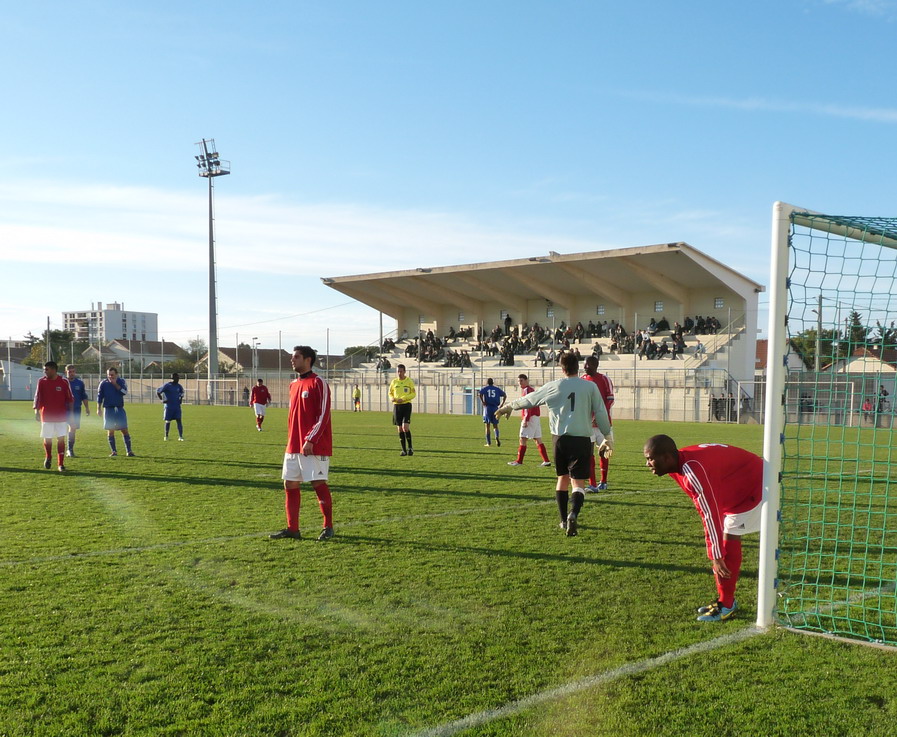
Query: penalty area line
x=583 y=684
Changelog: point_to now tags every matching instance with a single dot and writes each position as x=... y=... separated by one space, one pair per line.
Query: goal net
x=829 y=537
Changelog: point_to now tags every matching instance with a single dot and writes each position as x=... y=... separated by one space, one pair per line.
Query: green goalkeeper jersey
x=571 y=402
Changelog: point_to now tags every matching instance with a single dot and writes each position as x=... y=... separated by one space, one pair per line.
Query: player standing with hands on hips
x=572 y=403
x=172 y=395
x=309 y=444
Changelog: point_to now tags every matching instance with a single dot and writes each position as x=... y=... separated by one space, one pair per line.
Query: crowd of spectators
x=546 y=345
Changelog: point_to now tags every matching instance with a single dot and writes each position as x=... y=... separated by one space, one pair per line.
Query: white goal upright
x=828 y=547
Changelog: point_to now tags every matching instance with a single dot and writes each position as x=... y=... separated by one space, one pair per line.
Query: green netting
x=838 y=530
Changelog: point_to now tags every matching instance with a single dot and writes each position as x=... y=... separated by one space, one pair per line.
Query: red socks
x=521 y=451
x=325 y=502
x=732 y=558
x=543 y=452
x=605 y=464
x=592 y=470
x=293 y=501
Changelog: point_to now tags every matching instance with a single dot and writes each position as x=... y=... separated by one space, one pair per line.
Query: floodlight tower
x=211 y=166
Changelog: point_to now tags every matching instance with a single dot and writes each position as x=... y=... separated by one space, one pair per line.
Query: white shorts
x=259 y=409
x=298 y=467
x=743 y=523
x=597 y=436
x=532 y=430
x=53 y=429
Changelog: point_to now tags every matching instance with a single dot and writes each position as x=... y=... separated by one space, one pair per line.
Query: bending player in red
x=606 y=389
x=309 y=444
x=726 y=485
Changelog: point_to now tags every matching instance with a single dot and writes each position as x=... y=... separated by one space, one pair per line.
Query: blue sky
x=371 y=136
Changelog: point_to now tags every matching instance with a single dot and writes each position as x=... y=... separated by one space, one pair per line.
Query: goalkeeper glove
x=606 y=449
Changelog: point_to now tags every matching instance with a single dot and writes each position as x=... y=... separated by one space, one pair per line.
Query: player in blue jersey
x=172 y=396
x=111 y=399
x=491 y=397
x=79 y=392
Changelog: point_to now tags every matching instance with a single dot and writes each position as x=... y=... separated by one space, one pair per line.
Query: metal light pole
x=210 y=166
x=255 y=357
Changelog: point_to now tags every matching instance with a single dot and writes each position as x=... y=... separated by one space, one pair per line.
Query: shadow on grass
x=155 y=478
x=351 y=539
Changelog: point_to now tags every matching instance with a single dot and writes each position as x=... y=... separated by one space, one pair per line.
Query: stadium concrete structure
x=626 y=285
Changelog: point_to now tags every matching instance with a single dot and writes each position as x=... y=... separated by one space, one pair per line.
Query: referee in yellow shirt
x=402 y=393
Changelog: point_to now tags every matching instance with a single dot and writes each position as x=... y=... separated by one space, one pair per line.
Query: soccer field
x=142 y=596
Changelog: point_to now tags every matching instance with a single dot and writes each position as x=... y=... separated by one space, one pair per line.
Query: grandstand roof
x=672 y=270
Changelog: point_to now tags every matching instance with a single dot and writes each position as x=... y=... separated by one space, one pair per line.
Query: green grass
x=141 y=596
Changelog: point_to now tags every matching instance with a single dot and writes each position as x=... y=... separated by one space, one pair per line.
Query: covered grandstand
x=659 y=286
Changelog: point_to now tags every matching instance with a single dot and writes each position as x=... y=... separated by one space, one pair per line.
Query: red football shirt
x=721 y=480
x=260 y=395
x=605 y=388
x=54 y=399
x=533 y=411
x=309 y=415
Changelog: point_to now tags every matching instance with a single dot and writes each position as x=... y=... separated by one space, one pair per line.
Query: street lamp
x=211 y=166
x=255 y=357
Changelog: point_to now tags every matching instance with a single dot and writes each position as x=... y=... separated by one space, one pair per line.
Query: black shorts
x=572 y=456
x=401 y=414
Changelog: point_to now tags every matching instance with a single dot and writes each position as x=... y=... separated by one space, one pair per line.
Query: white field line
x=583 y=684
x=515 y=707
x=230 y=538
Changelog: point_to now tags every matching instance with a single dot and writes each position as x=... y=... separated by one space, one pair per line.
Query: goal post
x=828 y=538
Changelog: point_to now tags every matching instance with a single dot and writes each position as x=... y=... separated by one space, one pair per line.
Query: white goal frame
x=783 y=215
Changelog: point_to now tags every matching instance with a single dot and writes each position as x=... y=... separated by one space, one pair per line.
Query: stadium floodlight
x=211 y=166
x=829 y=514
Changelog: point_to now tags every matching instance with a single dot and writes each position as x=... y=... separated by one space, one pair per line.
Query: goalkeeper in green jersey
x=572 y=403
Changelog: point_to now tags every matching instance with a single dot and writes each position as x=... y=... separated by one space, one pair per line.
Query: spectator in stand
x=53 y=402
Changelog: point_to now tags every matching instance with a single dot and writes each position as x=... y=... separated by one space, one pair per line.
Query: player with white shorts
x=298 y=467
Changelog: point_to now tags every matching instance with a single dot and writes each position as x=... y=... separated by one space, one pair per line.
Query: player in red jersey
x=53 y=400
x=309 y=443
x=606 y=389
x=259 y=400
x=726 y=485
x=530 y=427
